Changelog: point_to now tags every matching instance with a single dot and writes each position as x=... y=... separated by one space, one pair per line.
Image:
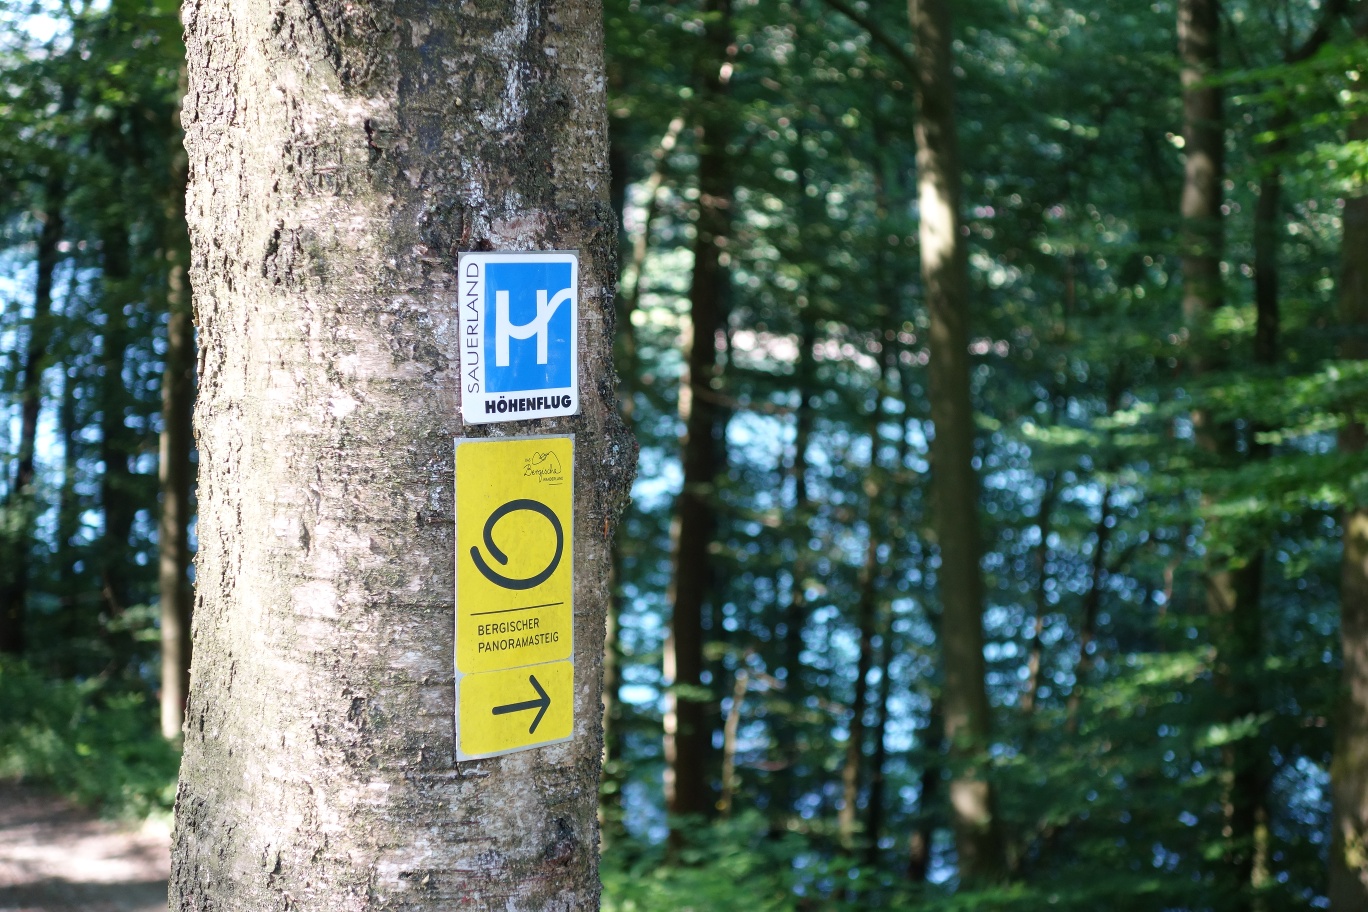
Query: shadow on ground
x=55 y=857
x=55 y=893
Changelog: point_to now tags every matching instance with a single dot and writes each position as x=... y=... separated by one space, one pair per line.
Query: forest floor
x=55 y=857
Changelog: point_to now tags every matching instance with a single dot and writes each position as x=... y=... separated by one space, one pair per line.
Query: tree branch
x=878 y=36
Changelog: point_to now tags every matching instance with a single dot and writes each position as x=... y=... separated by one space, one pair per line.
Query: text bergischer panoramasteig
x=495 y=628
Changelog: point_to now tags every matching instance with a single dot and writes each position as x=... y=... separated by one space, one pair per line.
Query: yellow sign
x=504 y=711
x=514 y=591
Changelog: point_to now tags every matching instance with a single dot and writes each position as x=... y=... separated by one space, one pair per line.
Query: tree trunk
x=1267 y=240
x=1233 y=581
x=1035 y=647
x=74 y=627
x=878 y=760
x=866 y=615
x=932 y=740
x=630 y=298
x=1348 y=774
x=731 y=731
x=629 y=372
x=175 y=469
x=978 y=831
x=341 y=157
x=897 y=526
x=118 y=500
x=1092 y=607
x=1268 y=229
x=20 y=509
x=688 y=707
x=1203 y=166
x=787 y=725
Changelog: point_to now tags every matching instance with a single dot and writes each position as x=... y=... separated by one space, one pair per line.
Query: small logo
x=545 y=467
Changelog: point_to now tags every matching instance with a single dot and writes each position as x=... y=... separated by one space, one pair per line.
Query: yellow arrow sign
x=514 y=592
x=504 y=711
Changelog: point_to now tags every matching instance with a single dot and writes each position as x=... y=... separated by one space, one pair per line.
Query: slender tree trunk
x=629 y=372
x=1267 y=243
x=1348 y=773
x=20 y=508
x=689 y=760
x=866 y=616
x=75 y=630
x=1203 y=166
x=1035 y=649
x=1233 y=581
x=852 y=770
x=932 y=739
x=898 y=531
x=341 y=156
x=1268 y=229
x=175 y=467
x=731 y=731
x=787 y=728
x=1267 y=240
x=118 y=500
x=979 y=838
x=878 y=761
x=1092 y=607
x=634 y=271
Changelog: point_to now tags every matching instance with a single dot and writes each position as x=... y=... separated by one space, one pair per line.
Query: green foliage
x=90 y=740
x=1102 y=516
x=741 y=865
x=730 y=868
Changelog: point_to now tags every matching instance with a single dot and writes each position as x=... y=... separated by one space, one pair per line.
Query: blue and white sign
x=519 y=314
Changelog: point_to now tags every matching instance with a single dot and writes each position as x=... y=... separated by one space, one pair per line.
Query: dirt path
x=55 y=858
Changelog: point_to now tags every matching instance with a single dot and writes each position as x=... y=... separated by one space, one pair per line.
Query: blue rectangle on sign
x=529 y=329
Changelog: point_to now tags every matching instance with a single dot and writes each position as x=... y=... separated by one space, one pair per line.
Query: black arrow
x=540 y=704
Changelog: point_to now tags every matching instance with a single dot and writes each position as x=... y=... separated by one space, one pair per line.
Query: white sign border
x=474 y=311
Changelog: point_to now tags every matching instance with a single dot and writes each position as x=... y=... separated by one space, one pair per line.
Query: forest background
x=1167 y=430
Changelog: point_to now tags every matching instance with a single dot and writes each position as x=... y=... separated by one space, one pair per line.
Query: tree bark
x=1348 y=774
x=978 y=830
x=689 y=761
x=1203 y=166
x=175 y=467
x=1233 y=580
x=341 y=156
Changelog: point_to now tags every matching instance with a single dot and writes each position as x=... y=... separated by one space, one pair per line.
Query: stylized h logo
x=505 y=328
x=527 y=301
